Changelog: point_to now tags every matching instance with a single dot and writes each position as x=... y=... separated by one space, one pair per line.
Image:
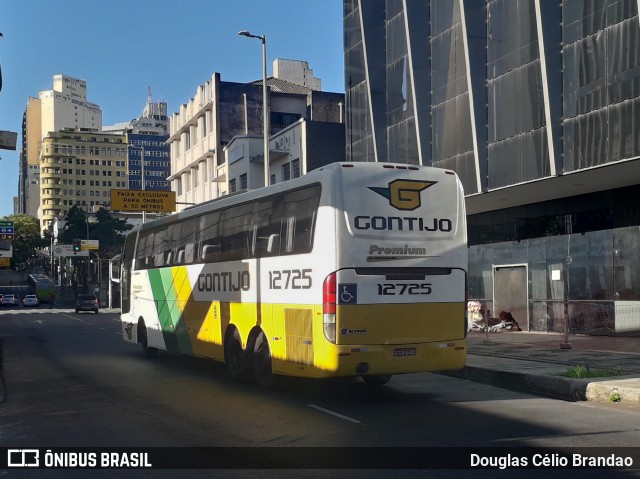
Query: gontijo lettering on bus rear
x=402 y=223
x=404 y=195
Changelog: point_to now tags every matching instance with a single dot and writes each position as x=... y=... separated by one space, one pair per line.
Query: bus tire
x=235 y=358
x=148 y=351
x=261 y=361
x=377 y=379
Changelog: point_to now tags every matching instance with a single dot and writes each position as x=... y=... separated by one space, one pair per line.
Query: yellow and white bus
x=355 y=269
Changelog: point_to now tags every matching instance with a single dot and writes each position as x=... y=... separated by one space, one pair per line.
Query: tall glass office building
x=536 y=105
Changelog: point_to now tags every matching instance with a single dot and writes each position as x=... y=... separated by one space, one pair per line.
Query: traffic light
x=76 y=246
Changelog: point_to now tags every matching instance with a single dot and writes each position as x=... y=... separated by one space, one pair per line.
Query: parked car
x=9 y=300
x=30 y=300
x=87 y=302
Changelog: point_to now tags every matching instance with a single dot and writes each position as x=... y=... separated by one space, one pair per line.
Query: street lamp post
x=265 y=103
x=141 y=148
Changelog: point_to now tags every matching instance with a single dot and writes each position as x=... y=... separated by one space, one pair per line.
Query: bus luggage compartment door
x=399 y=305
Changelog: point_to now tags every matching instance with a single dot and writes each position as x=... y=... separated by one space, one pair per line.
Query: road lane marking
x=92 y=324
x=328 y=411
x=77 y=319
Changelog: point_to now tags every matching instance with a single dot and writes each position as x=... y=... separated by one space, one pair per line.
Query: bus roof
x=311 y=177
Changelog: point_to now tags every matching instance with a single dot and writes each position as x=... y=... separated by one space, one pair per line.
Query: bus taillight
x=329 y=307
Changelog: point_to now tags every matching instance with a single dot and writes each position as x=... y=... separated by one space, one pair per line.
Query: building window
x=232 y=185
x=243 y=181
x=295 y=166
x=272 y=179
x=286 y=172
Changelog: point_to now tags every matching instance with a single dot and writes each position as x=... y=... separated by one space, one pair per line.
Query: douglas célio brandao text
x=549 y=460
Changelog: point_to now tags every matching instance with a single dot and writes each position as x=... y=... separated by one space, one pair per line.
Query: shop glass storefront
x=580 y=256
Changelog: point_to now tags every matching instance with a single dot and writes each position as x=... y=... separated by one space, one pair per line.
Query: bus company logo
x=403 y=194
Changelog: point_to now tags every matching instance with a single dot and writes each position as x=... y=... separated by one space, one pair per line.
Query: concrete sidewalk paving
x=536 y=362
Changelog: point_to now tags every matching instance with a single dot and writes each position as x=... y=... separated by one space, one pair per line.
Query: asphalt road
x=71 y=381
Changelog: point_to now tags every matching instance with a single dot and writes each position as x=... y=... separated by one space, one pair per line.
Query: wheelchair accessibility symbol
x=347 y=293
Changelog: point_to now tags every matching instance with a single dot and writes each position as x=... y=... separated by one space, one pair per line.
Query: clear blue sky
x=120 y=47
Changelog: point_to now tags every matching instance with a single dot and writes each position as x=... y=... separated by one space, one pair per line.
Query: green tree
x=106 y=229
x=75 y=227
x=109 y=232
x=26 y=237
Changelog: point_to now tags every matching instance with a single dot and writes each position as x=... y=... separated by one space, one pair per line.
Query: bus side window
x=181 y=238
x=289 y=237
x=143 y=253
x=266 y=235
x=159 y=259
x=211 y=253
x=273 y=244
x=189 y=250
x=161 y=243
x=300 y=209
x=235 y=232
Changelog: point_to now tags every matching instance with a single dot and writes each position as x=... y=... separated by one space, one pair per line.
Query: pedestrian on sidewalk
x=52 y=299
x=507 y=322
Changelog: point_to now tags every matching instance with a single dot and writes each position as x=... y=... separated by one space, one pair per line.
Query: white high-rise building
x=296 y=71
x=66 y=106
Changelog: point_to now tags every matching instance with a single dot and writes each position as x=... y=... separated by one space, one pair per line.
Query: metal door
x=510 y=293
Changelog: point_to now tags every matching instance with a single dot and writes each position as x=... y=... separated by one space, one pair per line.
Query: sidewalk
x=534 y=362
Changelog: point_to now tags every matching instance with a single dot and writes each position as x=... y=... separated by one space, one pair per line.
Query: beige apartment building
x=64 y=106
x=80 y=167
x=28 y=200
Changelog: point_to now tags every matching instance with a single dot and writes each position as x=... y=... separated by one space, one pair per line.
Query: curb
x=627 y=390
x=557 y=387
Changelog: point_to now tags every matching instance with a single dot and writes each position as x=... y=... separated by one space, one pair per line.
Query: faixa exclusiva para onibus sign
x=143 y=200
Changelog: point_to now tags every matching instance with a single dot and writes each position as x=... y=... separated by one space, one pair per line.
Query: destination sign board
x=143 y=200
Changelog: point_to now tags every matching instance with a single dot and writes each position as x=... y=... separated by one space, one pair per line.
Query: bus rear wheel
x=149 y=351
x=261 y=361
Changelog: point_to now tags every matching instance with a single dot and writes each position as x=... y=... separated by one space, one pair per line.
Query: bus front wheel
x=143 y=339
x=262 y=369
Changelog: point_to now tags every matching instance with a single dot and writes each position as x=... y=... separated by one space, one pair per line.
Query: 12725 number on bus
x=290 y=279
x=392 y=289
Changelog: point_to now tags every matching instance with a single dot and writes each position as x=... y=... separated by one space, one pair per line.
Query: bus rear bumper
x=386 y=359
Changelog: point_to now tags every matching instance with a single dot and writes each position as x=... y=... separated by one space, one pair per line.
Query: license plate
x=404 y=352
